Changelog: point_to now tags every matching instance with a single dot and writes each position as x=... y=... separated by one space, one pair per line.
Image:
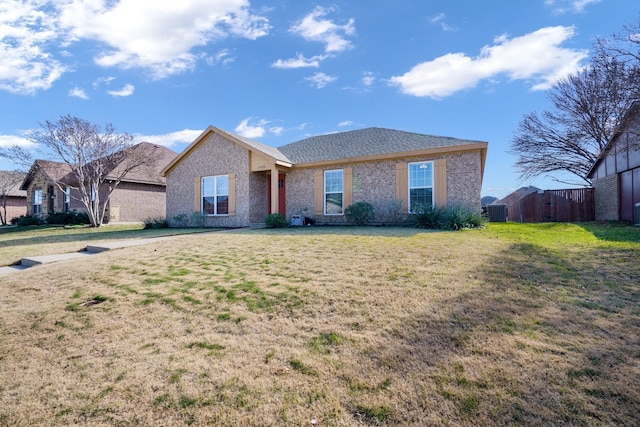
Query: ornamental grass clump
x=438 y=218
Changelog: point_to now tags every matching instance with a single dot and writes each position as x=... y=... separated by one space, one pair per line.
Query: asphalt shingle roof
x=364 y=142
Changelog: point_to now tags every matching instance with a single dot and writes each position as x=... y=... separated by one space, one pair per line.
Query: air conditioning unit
x=497 y=212
x=636 y=214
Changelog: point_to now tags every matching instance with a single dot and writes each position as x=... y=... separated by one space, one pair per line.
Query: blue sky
x=278 y=71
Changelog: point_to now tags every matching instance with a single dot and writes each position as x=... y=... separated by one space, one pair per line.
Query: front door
x=282 y=202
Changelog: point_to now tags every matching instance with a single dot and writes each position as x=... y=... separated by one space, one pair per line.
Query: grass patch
x=214 y=349
x=299 y=366
x=514 y=324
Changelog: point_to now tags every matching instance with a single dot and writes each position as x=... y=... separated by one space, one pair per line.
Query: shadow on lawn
x=90 y=234
x=539 y=339
x=612 y=231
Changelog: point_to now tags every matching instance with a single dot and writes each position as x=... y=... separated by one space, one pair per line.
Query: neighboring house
x=615 y=176
x=233 y=181
x=140 y=195
x=16 y=199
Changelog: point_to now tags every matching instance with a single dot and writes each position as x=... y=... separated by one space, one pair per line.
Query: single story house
x=140 y=195
x=232 y=181
x=12 y=198
x=615 y=175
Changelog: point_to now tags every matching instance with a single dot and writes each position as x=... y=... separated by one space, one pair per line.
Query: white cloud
x=276 y=130
x=185 y=136
x=223 y=57
x=570 y=6
x=102 y=80
x=347 y=123
x=440 y=20
x=251 y=131
x=257 y=129
x=165 y=37
x=165 y=41
x=320 y=80
x=299 y=62
x=25 y=32
x=77 y=92
x=333 y=36
x=368 y=78
x=11 y=140
x=536 y=56
x=127 y=90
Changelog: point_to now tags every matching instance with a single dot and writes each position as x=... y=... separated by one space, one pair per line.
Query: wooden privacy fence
x=571 y=205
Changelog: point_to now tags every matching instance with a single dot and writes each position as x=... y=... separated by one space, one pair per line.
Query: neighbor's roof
x=147 y=174
x=12 y=181
x=368 y=142
x=61 y=172
x=55 y=171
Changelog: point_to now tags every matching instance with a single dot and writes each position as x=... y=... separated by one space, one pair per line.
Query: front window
x=37 y=202
x=215 y=195
x=67 y=198
x=420 y=186
x=333 y=192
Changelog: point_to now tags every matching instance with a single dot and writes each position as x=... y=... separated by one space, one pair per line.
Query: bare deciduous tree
x=586 y=110
x=95 y=160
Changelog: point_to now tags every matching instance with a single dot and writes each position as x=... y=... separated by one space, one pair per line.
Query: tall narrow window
x=67 y=198
x=333 y=192
x=420 y=186
x=37 y=202
x=215 y=195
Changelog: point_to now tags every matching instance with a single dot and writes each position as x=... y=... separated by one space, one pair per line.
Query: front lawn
x=516 y=324
x=19 y=242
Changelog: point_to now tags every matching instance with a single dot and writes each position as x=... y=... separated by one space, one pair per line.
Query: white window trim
x=215 y=188
x=324 y=190
x=409 y=183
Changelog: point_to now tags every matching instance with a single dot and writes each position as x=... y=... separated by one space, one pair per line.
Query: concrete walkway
x=90 y=250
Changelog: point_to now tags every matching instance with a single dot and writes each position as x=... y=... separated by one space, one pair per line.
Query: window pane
x=223 y=205
x=421 y=198
x=333 y=181
x=222 y=185
x=207 y=186
x=208 y=205
x=37 y=197
x=420 y=175
x=334 y=203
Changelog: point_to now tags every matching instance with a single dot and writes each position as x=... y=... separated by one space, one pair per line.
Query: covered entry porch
x=268 y=187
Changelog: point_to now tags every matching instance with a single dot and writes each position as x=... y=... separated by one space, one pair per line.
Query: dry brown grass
x=349 y=326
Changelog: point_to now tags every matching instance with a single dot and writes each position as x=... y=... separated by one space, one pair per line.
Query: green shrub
x=360 y=213
x=194 y=220
x=24 y=220
x=154 y=223
x=67 y=218
x=426 y=217
x=276 y=220
x=455 y=218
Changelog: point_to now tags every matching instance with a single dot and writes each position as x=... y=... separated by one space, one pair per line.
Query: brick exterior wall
x=212 y=156
x=258 y=194
x=375 y=183
x=607 y=198
x=135 y=202
x=16 y=206
x=130 y=202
